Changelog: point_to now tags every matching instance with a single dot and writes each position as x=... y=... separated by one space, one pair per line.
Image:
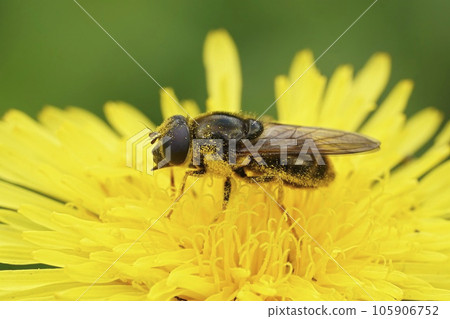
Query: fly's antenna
x=153 y=135
x=146 y=126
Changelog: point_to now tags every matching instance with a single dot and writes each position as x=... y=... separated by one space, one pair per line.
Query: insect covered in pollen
x=232 y=145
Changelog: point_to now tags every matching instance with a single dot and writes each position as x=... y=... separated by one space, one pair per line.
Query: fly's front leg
x=172 y=182
x=198 y=172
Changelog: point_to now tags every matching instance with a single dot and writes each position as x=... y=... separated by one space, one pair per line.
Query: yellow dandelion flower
x=379 y=231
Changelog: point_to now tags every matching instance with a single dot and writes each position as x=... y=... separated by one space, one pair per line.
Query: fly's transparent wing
x=327 y=141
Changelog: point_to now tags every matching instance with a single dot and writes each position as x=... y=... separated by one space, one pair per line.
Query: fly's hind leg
x=199 y=172
x=280 y=190
x=262 y=179
x=279 y=195
x=280 y=199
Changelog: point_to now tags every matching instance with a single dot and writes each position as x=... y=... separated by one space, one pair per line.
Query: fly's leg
x=254 y=179
x=280 y=192
x=226 y=192
x=279 y=196
x=280 y=199
x=199 y=172
x=172 y=183
x=226 y=197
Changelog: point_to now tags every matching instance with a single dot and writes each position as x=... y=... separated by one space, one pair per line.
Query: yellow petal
x=191 y=107
x=196 y=286
x=18 y=221
x=444 y=135
x=373 y=77
x=19 y=118
x=92 y=123
x=284 y=104
x=427 y=293
x=335 y=95
x=432 y=184
x=169 y=258
x=84 y=193
x=17 y=255
x=299 y=95
x=246 y=295
x=30 y=173
x=307 y=88
x=367 y=87
x=10 y=237
x=57 y=258
x=392 y=106
x=126 y=119
x=419 y=129
x=223 y=72
x=27 y=279
x=87 y=122
x=52 y=117
x=40 y=216
x=91 y=271
x=162 y=291
x=12 y=196
x=427 y=161
x=52 y=239
x=169 y=103
x=101 y=292
x=45 y=292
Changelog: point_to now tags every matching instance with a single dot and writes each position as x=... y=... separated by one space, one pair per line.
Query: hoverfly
x=238 y=136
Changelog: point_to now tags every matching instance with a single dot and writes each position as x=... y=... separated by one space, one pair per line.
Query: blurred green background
x=52 y=53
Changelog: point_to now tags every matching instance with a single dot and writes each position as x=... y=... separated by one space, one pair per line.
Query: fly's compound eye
x=173 y=147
